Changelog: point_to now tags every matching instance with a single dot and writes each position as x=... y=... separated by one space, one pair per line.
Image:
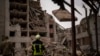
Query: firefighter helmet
x=37 y=36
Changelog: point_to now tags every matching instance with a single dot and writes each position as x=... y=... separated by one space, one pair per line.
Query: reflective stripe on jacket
x=37 y=49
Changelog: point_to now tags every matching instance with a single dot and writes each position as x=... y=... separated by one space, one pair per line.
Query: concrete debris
x=52 y=49
x=56 y=49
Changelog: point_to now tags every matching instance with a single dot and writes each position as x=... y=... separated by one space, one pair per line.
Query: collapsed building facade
x=22 y=20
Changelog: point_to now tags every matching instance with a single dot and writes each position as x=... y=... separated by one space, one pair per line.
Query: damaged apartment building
x=21 y=20
x=85 y=35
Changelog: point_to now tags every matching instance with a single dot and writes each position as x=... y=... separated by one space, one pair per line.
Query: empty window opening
x=13 y=44
x=65 y=43
x=51 y=26
x=12 y=33
x=24 y=34
x=32 y=33
x=23 y=26
x=23 y=45
x=51 y=35
x=43 y=34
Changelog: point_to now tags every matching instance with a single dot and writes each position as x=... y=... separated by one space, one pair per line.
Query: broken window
x=84 y=28
x=51 y=26
x=51 y=35
x=23 y=26
x=23 y=45
x=24 y=33
x=78 y=30
x=65 y=43
x=12 y=33
x=13 y=44
x=43 y=34
x=32 y=33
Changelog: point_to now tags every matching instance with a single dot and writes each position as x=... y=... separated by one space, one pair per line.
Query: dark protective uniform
x=38 y=48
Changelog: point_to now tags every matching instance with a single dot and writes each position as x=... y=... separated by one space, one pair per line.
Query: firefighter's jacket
x=38 y=48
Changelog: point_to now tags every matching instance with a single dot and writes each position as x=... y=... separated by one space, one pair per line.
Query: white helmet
x=37 y=36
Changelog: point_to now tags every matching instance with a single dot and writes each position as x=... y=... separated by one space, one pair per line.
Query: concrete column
x=2 y=18
x=18 y=49
x=28 y=17
x=18 y=31
x=46 y=16
x=55 y=33
x=7 y=18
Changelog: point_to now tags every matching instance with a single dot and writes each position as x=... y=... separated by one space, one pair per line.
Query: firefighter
x=37 y=46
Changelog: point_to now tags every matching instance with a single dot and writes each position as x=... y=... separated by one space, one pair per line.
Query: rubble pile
x=56 y=49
